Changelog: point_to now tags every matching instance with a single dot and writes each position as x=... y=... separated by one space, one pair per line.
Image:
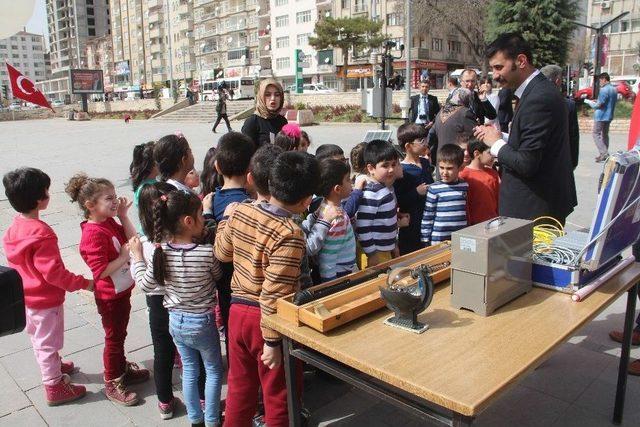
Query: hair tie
x=179 y=134
x=292 y=130
x=157 y=245
x=164 y=198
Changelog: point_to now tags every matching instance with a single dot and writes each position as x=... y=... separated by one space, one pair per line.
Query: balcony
x=264 y=34
x=323 y=4
x=156 y=32
x=184 y=9
x=207 y=16
x=155 y=17
x=360 y=9
x=185 y=25
x=197 y=3
x=151 y=4
x=266 y=72
x=156 y=48
x=207 y=33
x=237 y=62
x=158 y=63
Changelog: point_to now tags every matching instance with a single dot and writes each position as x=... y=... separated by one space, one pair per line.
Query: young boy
x=411 y=189
x=31 y=247
x=484 y=183
x=233 y=157
x=266 y=248
x=258 y=176
x=377 y=216
x=446 y=207
x=334 y=243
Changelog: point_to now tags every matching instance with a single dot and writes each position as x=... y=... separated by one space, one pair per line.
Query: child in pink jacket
x=32 y=249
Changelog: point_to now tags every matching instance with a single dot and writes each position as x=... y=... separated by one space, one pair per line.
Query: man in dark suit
x=480 y=106
x=505 y=108
x=554 y=74
x=424 y=107
x=537 y=179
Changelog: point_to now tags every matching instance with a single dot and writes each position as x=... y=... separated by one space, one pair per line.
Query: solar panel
x=371 y=135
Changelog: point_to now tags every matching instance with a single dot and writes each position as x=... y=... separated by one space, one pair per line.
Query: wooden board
x=327 y=313
x=464 y=361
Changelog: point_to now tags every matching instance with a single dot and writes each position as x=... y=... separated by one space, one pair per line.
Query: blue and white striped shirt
x=445 y=211
x=377 y=219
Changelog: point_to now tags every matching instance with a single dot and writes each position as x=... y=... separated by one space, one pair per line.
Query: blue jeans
x=193 y=334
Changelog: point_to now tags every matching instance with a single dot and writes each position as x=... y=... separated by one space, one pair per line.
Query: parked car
x=57 y=103
x=14 y=106
x=624 y=91
x=311 y=88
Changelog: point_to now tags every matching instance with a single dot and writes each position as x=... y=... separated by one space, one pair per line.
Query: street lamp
x=387 y=62
x=599 y=32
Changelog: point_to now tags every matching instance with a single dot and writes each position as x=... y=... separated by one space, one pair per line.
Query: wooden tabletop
x=463 y=361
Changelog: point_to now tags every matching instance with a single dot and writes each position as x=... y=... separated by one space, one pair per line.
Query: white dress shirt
x=495 y=148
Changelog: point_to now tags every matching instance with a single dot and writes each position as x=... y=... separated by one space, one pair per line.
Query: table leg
x=293 y=400
x=460 y=420
x=624 y=357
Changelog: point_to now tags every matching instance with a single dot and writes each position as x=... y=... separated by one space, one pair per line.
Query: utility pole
x=387 y=67
x=599 y=34
x=168 y=22
x=407 y=69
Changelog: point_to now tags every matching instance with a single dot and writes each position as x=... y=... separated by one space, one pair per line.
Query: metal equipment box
x=491 y=264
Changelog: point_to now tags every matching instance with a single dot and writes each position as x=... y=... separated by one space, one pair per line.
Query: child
x=357 y=163
x=104 y=248
x=232 y=162
x=266 y=248
x=305 y=141
x=336 y=246
x=192 y=180
x=164 y=350
x=289 y=138
x=445 y=209
x=143 y=168
x=258 y=176
x=377 y=217
x=330 y=151
x=411 y=189
x=209 y=177
x=174 y=159
x=186 y=272
x=484 y=183
x=31 y=247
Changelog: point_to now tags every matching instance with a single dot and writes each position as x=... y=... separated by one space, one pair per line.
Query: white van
x=240 y=87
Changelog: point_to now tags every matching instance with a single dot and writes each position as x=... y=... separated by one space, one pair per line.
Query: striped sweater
x=377 y=219
x=266 y=248
x=335 y=245
x=189 y=283
x=445 y=211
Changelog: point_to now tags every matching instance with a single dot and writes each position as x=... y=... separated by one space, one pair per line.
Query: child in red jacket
x=104 y=247
x=32 y=249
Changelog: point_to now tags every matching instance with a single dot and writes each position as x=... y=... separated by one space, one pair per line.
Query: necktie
x=425 y=106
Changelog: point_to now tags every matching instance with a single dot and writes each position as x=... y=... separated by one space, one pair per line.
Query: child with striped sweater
x=334 y=243
x=445 y=210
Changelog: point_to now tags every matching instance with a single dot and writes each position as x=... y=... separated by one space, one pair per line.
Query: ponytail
x=142 y=163
x=159 y=267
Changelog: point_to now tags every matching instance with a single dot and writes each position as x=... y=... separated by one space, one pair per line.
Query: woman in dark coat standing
x=221 y=108
x=265 y=123
x=453 y=124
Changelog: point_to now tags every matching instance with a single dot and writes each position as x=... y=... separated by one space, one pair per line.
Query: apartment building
x=25 y=51
x=622 y=45
x=99 y=53
x=226 y=38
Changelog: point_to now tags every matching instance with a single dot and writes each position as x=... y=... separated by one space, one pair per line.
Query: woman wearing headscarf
x=265 y=123
x=453 y=124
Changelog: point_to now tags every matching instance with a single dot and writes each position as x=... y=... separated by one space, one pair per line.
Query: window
x=34 y=39
x=302 y=17
x=281 y=2
x=282 y=42
x=92 y=31
x=282 y=63
x=454 y=46
x=14 y=47
x=24 y=39
x=3 y=46
x=282 y=21
x=303 y=39
x=436 y=44
x=89 y=11
x=395 y=19
x=15 y=55
x=360 y=6
x=91 y=21
x=344 y=4
x=624 y=26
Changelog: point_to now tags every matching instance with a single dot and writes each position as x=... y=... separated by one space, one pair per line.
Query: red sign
x=431 y=65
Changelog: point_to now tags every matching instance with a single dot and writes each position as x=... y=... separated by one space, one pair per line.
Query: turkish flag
x=23 y=88
x=634 y=128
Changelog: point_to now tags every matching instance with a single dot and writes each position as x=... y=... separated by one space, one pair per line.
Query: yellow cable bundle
x=545 y=234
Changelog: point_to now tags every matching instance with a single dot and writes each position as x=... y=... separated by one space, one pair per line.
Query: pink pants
x=46 y=330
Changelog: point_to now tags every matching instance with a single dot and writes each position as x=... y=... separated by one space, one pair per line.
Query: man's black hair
x=326 y=151
x=451 y=153
x=605 y=76
x=476 y=145
x=293 y=177
x=377 y=151
x=24 y=187
x=233 y=154
x=511 y=45
x=260 y=166
x=332 y=173
x=409 y=132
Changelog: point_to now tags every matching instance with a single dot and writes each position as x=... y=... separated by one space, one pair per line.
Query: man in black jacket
x=537 y=178
x=424 y=107
x=480 y=105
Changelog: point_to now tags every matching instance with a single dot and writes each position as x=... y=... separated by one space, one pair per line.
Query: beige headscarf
x=261 y=106
x=460 y=97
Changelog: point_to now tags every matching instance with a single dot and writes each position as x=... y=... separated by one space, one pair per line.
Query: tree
x=346 y=34
x=546 y=24
x=429 y=14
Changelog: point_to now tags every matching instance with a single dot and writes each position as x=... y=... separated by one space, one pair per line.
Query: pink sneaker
x=166 y=409
x=67 y=367
x=64 y=391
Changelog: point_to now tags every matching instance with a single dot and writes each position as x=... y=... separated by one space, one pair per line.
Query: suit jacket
x=482 y=109
x=537 y=175
x=574 y=132
x=434 y=107
x=505 y=108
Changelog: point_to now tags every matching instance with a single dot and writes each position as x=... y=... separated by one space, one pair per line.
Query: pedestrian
x=265 y=123
x=480 y=106
x=605 y=107
x=221 y=107
x=424 y=107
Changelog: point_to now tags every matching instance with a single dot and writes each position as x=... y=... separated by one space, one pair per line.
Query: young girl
x=174 y=159
x=186 y=272
x=104 y=248
x=305 y=141
x=143 y=168
x=209 y=178
x=289 y=138
x=164 y=350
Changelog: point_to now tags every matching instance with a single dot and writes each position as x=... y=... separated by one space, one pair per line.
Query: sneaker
x=177 y=361
x=618 y=336
x=67 y=367
x=222 y=333
x=64 y=391
x=117 y=392
x=166 y=409
x=634 y=367
x=258 y=421
x=134 y=375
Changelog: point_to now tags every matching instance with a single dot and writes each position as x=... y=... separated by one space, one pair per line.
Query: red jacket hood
x=18 y=239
